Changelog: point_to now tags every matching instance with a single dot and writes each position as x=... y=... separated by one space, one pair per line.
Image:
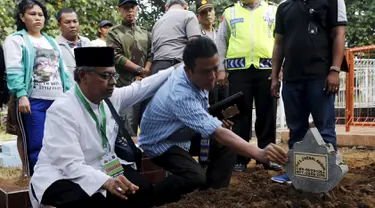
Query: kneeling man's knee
x=196 y=179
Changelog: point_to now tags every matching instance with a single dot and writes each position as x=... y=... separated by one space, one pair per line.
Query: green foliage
x=361 y=16
x=7 y=25
x=90 y=13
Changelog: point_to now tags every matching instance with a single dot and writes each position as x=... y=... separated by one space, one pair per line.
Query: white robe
x=72 y=143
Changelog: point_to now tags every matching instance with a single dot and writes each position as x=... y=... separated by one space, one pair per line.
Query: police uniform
x=131 y=42
x=245 y=44
x=218 y=93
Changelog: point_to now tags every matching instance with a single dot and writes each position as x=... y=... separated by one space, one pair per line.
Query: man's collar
x=126 y=24
x=175 y=7
x=71 y=44
x=260 y=3
x=92 y=105
x=213 y=28
x=203 y=93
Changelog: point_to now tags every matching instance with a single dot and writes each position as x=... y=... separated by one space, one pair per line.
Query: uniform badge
x=221 y=18
x=235 y=63
x=237 y=20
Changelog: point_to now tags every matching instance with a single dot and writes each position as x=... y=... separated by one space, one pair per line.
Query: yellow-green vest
x=251 y=36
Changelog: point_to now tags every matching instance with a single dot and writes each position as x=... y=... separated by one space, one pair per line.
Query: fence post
x=349 y=89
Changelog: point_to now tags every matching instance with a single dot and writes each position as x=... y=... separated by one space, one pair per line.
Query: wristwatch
x=139 y=69
x=335 y=69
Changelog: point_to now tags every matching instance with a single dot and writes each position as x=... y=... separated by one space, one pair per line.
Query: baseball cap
x=122 y=2
x=105 y=23
x=203 y=4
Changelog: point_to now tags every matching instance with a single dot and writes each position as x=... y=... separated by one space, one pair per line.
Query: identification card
x=111 y=164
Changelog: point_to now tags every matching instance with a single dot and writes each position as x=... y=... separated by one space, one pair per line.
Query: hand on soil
x=275 y=153
x=127 y=187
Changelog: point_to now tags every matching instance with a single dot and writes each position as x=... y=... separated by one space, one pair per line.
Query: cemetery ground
x=254 y=188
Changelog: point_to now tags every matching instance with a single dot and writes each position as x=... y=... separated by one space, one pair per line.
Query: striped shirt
x=176 y=105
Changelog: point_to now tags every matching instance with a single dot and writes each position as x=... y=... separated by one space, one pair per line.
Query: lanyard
x=101 y=128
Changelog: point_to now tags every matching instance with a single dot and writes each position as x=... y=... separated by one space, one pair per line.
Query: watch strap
x=335 y=68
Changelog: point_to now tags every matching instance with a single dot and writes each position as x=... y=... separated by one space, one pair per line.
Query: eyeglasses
x=107 y=75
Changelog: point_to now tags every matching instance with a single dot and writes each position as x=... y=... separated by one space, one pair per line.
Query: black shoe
x=272 y=166
x=239 y=168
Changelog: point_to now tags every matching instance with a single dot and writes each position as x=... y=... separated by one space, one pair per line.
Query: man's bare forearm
x=277 y=57
x=131 y=66
x=237 y=144
x=148 y=65
x=338 y=48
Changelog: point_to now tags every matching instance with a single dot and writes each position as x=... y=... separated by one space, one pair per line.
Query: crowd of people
x=161 y=83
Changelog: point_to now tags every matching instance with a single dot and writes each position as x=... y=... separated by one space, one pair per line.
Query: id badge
x=111 y=164
x=312 y=28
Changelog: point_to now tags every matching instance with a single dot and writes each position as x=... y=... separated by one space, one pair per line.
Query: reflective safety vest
x=251 y=36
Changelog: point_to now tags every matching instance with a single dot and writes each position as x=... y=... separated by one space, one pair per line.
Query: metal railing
x=360 y=87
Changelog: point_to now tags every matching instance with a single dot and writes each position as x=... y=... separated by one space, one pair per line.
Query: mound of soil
x=254 y=188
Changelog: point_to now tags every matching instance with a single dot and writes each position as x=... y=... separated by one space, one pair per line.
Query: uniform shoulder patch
x=221 y=18
x=143 y=28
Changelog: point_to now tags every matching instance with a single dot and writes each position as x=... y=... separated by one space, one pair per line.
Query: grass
x=6 y=137
x=9 y=173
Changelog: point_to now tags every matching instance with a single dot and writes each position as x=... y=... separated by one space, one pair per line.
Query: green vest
x=251 y=36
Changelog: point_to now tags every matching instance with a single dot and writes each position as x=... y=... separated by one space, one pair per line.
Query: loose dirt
x=254 y=188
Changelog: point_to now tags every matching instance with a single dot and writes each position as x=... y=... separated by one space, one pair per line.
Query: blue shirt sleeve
x=190 y=111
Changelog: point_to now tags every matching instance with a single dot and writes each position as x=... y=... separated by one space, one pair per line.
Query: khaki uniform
x=131 y=42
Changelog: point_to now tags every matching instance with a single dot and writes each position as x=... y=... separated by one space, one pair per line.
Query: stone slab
x=10 y=161
x=155 y=177
x=10 y=148
x=151 y=171
x=315 y=166
x=14 y=199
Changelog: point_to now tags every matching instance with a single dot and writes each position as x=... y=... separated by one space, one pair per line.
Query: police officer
x=132 y=46
x=245 y=43
x=206 y=17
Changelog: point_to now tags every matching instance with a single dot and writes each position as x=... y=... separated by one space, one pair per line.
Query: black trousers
x=218 y=94
x=188 y=175
x=158 y=65
x=255 y=84
x=65 y=193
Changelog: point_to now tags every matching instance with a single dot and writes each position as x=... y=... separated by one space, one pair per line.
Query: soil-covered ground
x=254 y=188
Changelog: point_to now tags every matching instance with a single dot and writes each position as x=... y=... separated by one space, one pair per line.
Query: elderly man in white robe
x=70 y=170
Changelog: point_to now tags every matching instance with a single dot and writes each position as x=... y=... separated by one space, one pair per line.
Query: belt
x=172 y=61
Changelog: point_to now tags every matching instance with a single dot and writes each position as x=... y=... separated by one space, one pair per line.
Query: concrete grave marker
x=313 y=165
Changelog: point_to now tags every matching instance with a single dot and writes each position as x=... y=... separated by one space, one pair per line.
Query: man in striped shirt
x=176 y=124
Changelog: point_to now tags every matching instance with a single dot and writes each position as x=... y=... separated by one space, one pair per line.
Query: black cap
x=203 y=4
x=95 y=56
x=122 y=2
x=105 y=23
